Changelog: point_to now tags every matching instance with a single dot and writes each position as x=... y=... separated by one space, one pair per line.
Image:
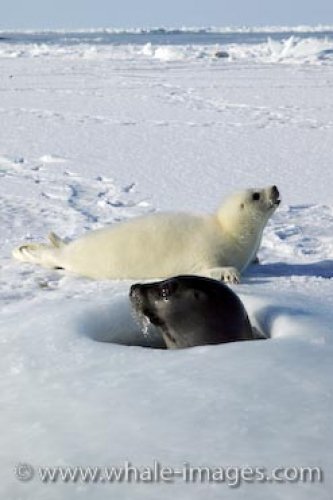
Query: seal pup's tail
x=46 y=255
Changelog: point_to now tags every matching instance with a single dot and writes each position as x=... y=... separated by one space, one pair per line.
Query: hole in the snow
x=266 y=319
x=114 y=323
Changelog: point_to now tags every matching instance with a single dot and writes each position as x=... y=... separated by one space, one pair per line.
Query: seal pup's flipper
x=55 y=240
x=228 y=274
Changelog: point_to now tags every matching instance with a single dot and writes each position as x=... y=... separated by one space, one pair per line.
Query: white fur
x=165 y=244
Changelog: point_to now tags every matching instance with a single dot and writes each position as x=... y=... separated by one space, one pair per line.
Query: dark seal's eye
x=256 y=196
x=167 y=289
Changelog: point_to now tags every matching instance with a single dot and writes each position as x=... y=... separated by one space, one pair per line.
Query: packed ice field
x=102 y=126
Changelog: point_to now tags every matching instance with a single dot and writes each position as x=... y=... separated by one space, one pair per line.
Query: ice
x=277 y=45
x=96 y=133
x=52 y=159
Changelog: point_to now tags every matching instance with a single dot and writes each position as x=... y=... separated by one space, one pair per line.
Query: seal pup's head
x=192 y=310
x=249 y=209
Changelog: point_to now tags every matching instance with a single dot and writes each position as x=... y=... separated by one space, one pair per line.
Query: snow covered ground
x=92 y=135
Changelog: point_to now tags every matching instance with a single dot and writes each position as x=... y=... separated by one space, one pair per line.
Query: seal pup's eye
x=256 y=196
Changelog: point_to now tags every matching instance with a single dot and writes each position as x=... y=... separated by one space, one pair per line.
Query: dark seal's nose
x=134 y=290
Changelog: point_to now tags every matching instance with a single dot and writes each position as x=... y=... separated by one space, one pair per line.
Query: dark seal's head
x=192 y=310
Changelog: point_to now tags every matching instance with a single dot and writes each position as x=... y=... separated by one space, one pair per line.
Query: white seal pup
x=192 y=310
x=161 y=245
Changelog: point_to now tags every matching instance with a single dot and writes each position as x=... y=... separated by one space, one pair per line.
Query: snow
x=92 y=135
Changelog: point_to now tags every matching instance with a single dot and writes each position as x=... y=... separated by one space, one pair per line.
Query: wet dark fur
x=193 y=310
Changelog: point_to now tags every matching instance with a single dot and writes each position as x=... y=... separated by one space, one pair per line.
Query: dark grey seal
x=221 y=54
x=192 y=310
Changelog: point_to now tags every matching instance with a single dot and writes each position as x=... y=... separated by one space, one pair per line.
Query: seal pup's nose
x=275 y=195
